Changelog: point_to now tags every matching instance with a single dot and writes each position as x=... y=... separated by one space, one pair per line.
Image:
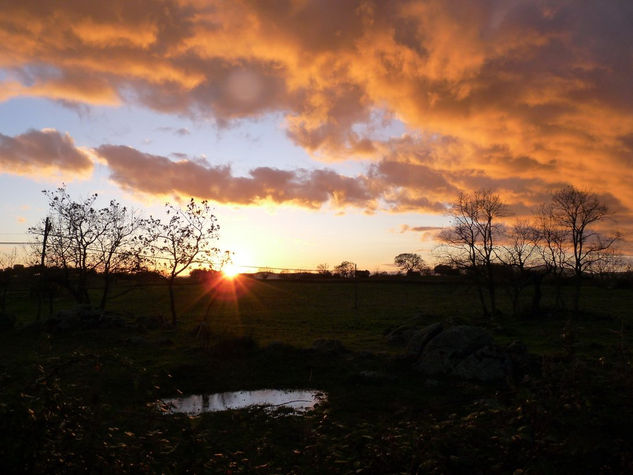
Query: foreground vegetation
x=81 y=396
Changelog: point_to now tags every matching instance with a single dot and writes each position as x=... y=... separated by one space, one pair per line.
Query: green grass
x=80 y=397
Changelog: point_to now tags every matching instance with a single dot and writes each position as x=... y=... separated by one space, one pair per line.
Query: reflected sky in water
x=298 y=401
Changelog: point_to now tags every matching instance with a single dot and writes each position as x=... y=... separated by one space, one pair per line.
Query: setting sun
x=231 y=271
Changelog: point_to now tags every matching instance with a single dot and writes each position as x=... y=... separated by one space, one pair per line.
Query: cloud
x=38 y=152
x=519 y=96
x=419 y=229
x=182 y=131
x=155 y=174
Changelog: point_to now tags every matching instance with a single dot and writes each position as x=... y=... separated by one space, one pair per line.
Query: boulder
x=83 y=317
x=403 y=333
x=486 y=364
x=448 y=348
x=419 y=339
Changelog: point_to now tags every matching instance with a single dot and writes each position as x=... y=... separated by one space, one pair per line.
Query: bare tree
x=324 y=270
x=519 y=254
x=553 y=251
x=409 y=262
x=576 y=212
x=472 y=240
x=80 y=239
x=75 y=227
x=186 y=238
x=7 y=261
x=119 y=246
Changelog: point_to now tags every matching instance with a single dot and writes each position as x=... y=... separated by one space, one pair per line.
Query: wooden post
x=47 y=229
x=355 y=288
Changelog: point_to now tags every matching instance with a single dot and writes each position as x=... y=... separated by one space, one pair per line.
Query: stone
x=420 y=338
x=449 y=347
x=486 y=364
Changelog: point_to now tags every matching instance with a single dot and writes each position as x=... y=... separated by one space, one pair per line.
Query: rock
x=486 y=364
x=328 y=346
x=83 y=317
x=420 y=338
x=403 y=333
x=446 y=350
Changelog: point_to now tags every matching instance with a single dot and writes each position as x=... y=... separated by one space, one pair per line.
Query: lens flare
x=230 y=271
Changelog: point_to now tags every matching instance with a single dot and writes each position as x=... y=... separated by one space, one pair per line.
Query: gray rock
x=486 y=364
x=403 y=333
x=446 y=350
x=420 y=338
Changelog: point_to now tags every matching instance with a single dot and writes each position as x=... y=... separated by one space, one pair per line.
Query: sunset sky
x=323 y=130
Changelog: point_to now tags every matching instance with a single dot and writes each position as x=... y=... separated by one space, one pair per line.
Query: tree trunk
x=106 y=289
x=536 y=297
x=51 y=297
x=493 y=297
x=577 y=285
x=482 y=299
x=172 y=302
x=516 y=294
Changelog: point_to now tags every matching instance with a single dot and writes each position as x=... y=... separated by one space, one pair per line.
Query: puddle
x=298 y=401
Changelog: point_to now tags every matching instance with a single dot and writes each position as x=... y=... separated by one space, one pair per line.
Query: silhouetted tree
x=7 y=260
x=409 y=262
x=345 y=269
x=575 y=212
x=445 y=269
x=520 y=256
x=472 y=240
x=80 y=240
x=324 y=270
x=175 y=245
x=554 y=254
x=119 y=247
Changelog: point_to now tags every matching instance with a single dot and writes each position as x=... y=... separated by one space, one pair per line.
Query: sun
x=230 y=271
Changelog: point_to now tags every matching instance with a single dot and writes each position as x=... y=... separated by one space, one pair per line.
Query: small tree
x=409 y=262
x=553 y=251
x=345 y=269
x=119 y=246
x=472 y=240
x=519 y=255
x=324 y=270
x=7 y=261
x=186 y=238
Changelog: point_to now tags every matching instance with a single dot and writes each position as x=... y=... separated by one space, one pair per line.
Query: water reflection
x=300 y=400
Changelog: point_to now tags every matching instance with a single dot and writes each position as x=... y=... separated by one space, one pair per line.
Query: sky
x=322 y=130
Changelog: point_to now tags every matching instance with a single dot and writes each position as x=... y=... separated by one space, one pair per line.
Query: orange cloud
x=520 y=96
x=155 y=174
x=41 y=152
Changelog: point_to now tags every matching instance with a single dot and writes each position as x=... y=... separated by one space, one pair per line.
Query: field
x=82 y=398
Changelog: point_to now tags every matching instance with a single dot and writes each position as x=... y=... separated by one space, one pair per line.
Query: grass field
x=83 y=397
